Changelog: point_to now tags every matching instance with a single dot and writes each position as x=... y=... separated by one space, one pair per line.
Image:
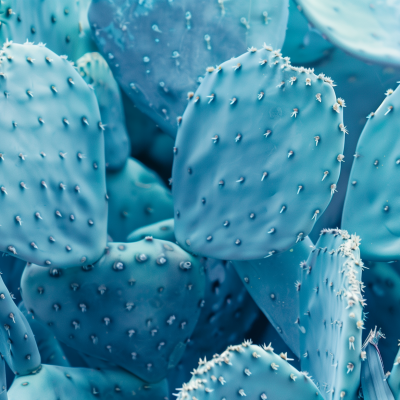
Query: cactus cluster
x=174 y=187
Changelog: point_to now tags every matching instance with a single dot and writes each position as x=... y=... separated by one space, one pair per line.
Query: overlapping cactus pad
x=248 y=370
x=125 y=308
x=374 y=181
x=52 y=170
x=173 y=42
x=257 y=157
x=331 y=314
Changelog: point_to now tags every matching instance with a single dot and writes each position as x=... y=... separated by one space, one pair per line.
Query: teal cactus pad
x=61 y=24
x=361 y=85
x=382 y=294
x=303 y=43
x=137 y=197
x=373 y=184
x=3 y=380
x=173 y=42
x=135 y=307
x=58 y=383
x=96 y=72
x=17 y=343
x=331 y=315
x=247 y=137
x=248 y=370
x=360 y=27
x=274 y=284
x=52 y=183
x=163 y=230
x=49 y=348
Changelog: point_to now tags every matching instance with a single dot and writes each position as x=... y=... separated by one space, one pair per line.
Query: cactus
x=361 y=28
x=53 y=383
x=227 y=311
x=248 y=370
x=240 y=191
x=174 y=42
x=62 y=24
x=373 y=184
x=373 y=380
x=125 y=308
x=303 y=43
x=137 y=197
x=274 y=284
x=95 y=71
x=163 y=230
x=48 y=346
x=17 y=344
x=331 y=315
x=52 y=184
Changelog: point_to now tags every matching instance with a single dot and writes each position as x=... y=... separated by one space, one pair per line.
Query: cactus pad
x=135 y=307
x=248 y=370
x=373 y=184
x=173 y=42
x=331 y=315
x=52 y=183
x=249 y=133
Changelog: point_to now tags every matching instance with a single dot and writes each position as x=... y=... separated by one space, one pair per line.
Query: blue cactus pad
x=52 y=183
x=273 y=283
x=95 y=71
x=373 y=184
x=257 y=157
x=135 y=307
x=11 y=270
x=137 y=197
x=163 y=230
x=49 y=347
x=174 y=42
x=17 y=345
x=248 y=370
x=331 y=315
x=303 y=43
x=360 y=27
x=55 y=383
x=61 y=24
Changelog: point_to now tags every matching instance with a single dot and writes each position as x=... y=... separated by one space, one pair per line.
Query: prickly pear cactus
x=54 y=382
x=137 y=197
x=248 y=370
x=394 y=377
x=17 y=343
x=260 y=123
x=48 y=346
x=274 y=284
x=95 y=71
x=331 y=315
x=52 y=182
x=126 y=308
x=361 y=28
x=61 y=24
x=175 y=41
x=374 y=182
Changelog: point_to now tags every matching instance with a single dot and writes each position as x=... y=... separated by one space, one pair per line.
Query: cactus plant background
x=180 y=179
